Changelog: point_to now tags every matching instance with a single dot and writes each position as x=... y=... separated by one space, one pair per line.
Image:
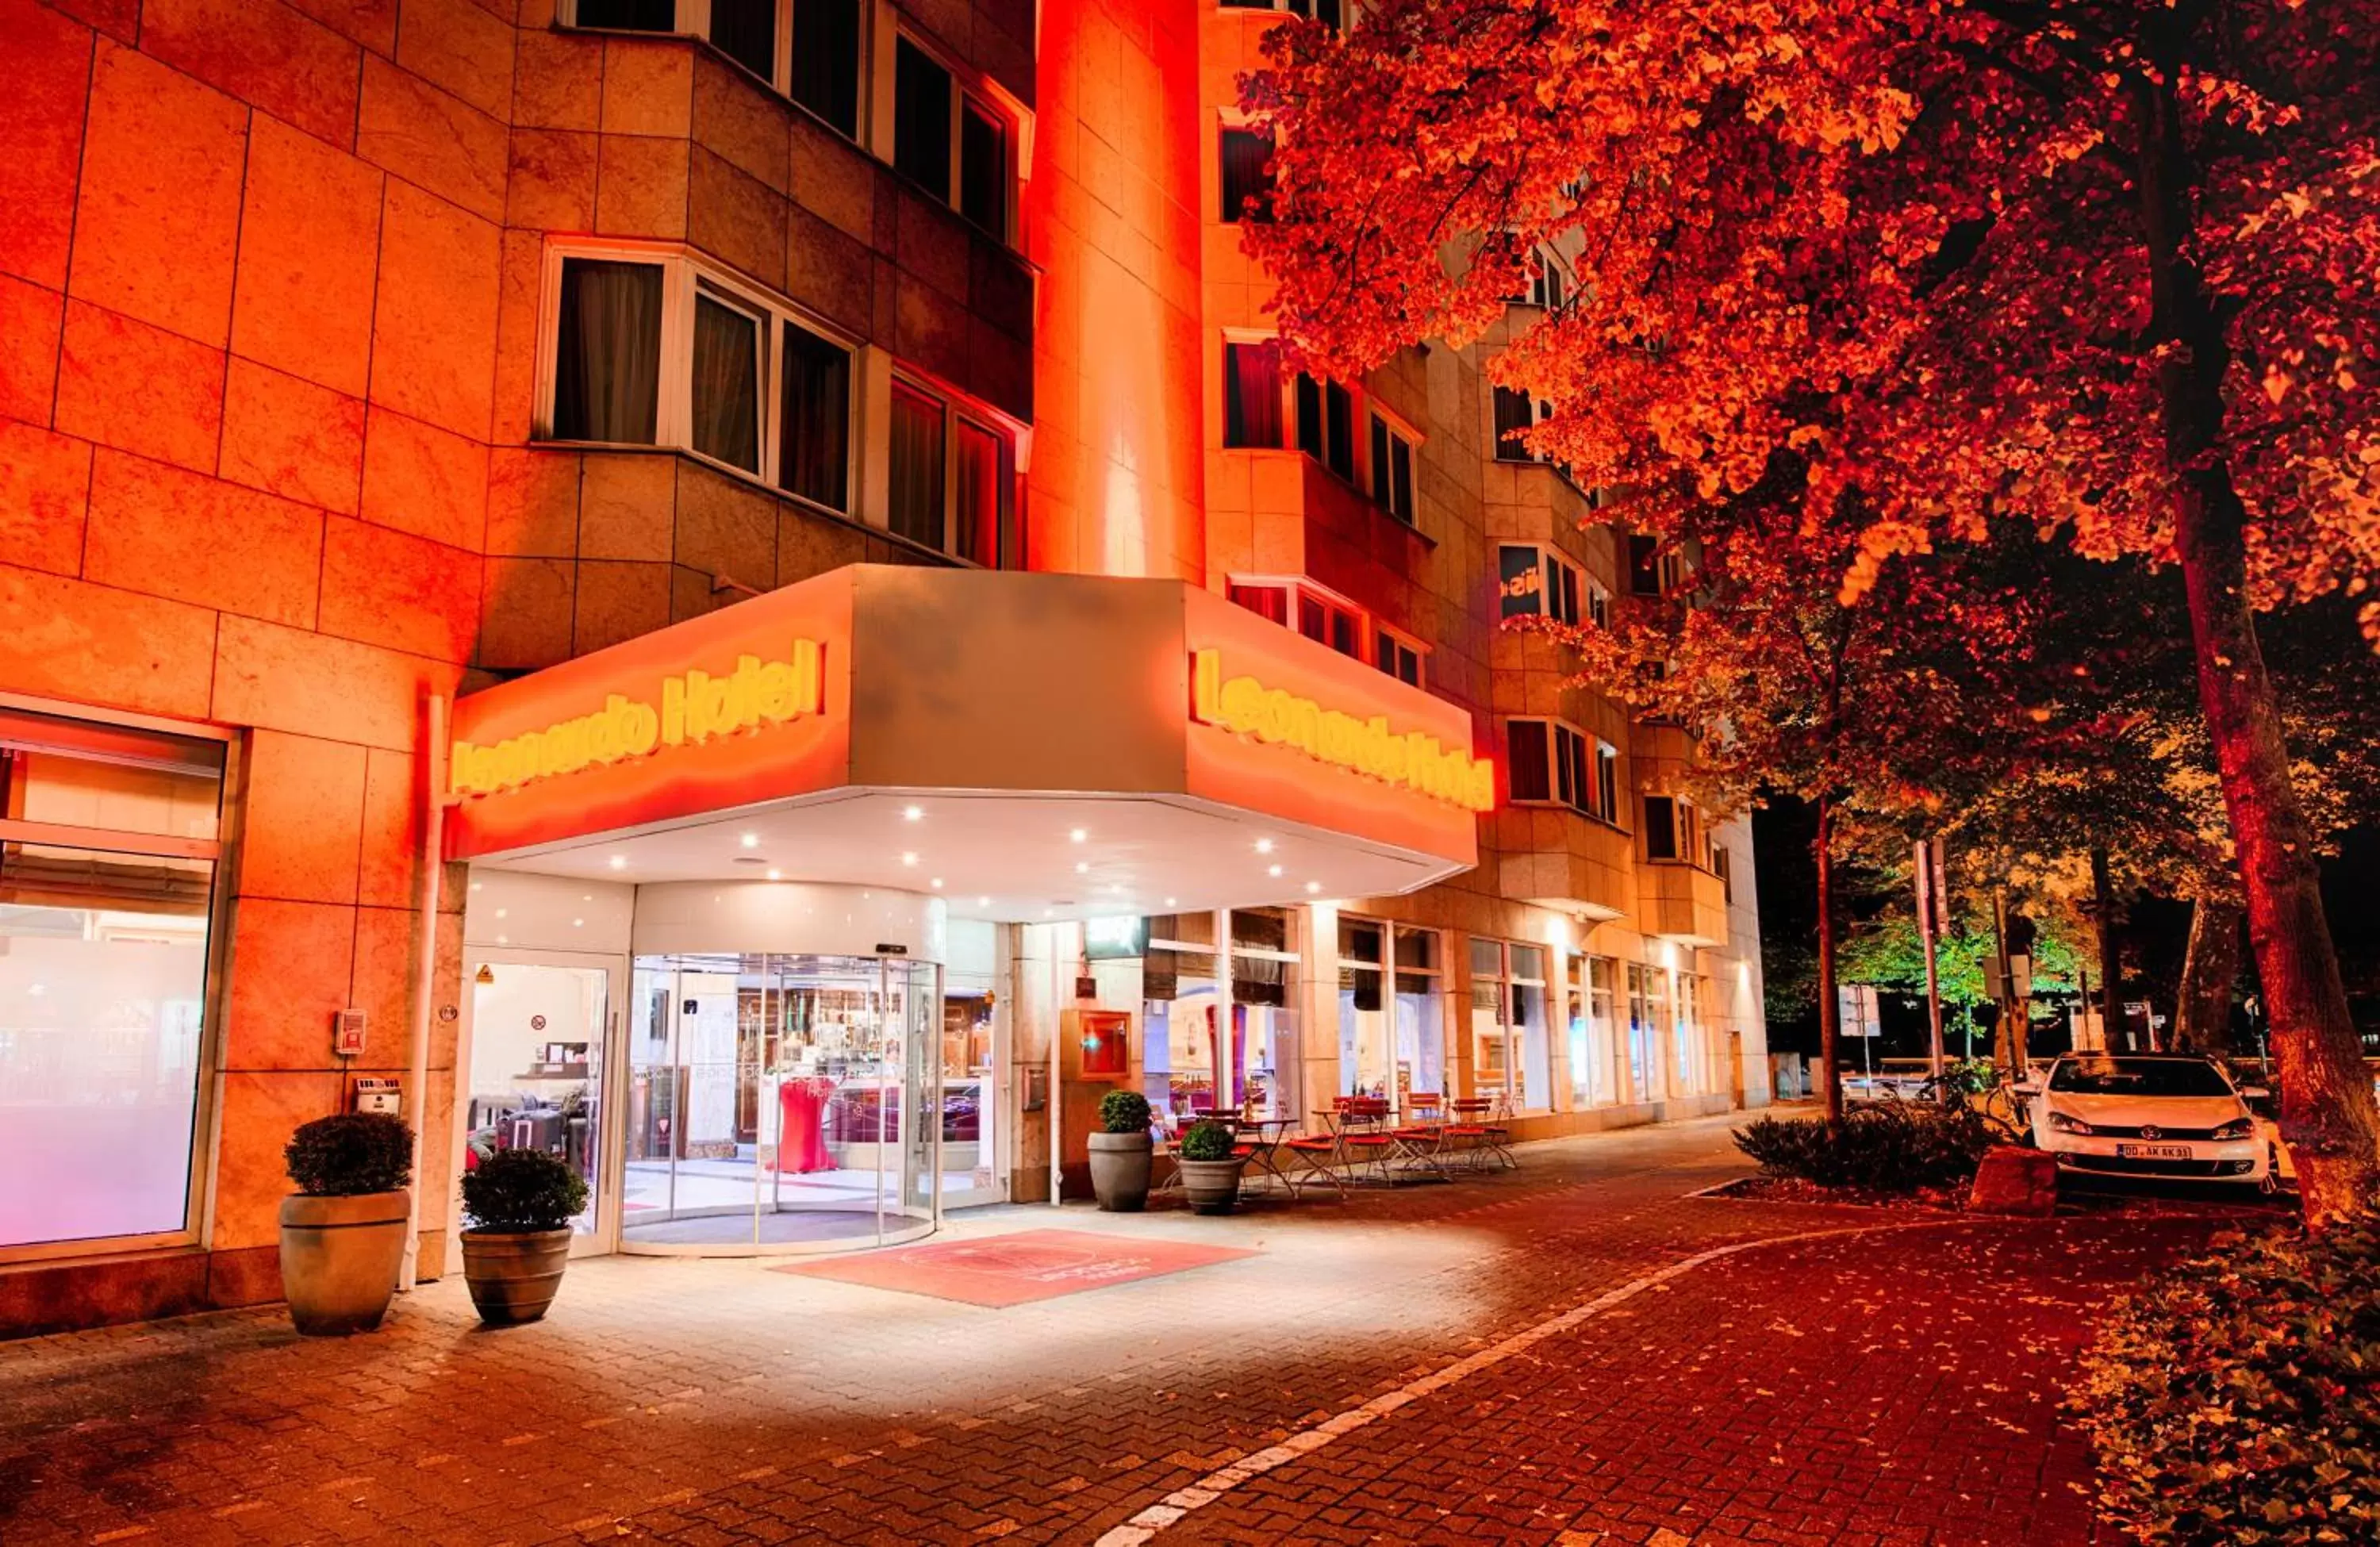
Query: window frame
x=1690 y=834
x=1584 y=776
x=1283 y=404
x=958 y=411
x=1298 y=590
x=684 y=277
x=1553 y=568
x=1396 y=498
x=1513 y=452
x=1228 y=125
x=1309 y=10
x=1404 y=645
x=969 y=88
x=198 y=1211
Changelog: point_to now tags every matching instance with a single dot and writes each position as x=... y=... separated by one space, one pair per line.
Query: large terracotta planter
x=1212 y=1186
x=1119 y=1171
x=513 y=1278
x=339 y=1260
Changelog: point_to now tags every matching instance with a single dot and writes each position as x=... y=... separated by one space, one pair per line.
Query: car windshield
x=2138 y=1077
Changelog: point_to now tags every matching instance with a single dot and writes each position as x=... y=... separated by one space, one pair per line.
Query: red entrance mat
x=1015 y=1269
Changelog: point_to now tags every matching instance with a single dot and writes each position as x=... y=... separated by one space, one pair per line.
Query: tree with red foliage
x=2108 y=269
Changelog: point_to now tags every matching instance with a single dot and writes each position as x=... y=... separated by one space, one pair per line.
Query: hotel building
x=736 y=589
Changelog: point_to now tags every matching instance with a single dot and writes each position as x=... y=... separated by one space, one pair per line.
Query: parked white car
x=2164 y=1116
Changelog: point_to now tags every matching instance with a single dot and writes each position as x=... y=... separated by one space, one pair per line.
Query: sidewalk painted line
x=1170 y=1509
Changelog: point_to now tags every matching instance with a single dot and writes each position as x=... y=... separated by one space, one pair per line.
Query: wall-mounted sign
x=1115 y=939
x=1369 y=745
x=694 y=707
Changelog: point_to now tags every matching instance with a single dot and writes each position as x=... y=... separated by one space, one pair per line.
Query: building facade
x=735 y=589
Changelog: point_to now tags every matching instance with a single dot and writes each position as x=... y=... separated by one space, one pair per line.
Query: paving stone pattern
x=1895 y=1385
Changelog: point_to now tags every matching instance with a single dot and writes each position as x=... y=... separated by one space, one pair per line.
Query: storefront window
x=1390 y=1044
x=1263 y=1058
x=107 y=860
x=1178 y=997
x=1694 y=1065
x=1599 y=1083
x=1507 y=1021
x=1643 y=1032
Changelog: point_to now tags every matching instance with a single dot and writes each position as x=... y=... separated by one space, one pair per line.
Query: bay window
x=950 y=478
x=1312 y=611
x=1392 y=481
x=1674 y=831
x=952 y=141
x=1537 y=581
x=824 y=68
x=1553 y=762
x=661 y=350
x=1517 y=413
x=1247 y=159
x=1326 y=424
x=1398 y=656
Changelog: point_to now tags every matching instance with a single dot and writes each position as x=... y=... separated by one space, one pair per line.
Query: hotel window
x=1326 y=424
x=1517 y=412
x=1595 y=1077
x=1556 y=765
x=1391 y=1022
x=826 y=61
x=1546 y=285
x=1397 y=656
x=1724 y=868
x=949 y=477
x=1314 y=613
x=1673 y=830
x=1598 y=604
x=1328 y=12
x=950 y=139
x=1392 y=481
x=1537 y=581
x=1648 y=1009
x=108 y=848
x=746 y=31
x=1607 y=781
x=1252 y=395
x=1657 y=570
x=661 y=351
x=1246 y=175
x=1508 y=1023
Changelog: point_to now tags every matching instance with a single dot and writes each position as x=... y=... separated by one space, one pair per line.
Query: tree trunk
x=2111 y=971
x=2327 y=1115
x=1830 y=1010
x=2209 y=967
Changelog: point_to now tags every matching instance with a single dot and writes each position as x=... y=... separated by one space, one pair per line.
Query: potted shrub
x=1210 y=1172
x=1120 y=1152
x=519 y=1204
x=342 y=1231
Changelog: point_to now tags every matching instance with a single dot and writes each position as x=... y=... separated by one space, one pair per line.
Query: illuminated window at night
x=1555 y=763
x=951 y=141
x=1326 y=424
x=108 y=849
x=666 y=351
x=1252 y=395
x=1537 y=581
x=1508 y=1056
x=1398 y=656
x=1393 y=475
x=950 y=478
x=825 y=67
x=1674 y=830
x=1248 y=176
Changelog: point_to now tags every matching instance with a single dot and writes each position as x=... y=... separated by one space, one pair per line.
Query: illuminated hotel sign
x=694 y=707
x=1413 y=760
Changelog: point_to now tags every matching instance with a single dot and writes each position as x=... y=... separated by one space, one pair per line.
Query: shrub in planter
x=2235 y=1403
x=1896 y=1147
x=519 y=1204
x=1119 y=1152
x=1210 y=1172
x=343 y=1232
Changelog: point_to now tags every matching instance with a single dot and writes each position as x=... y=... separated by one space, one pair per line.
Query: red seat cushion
x=1465 y=1131
x=1312 y=1146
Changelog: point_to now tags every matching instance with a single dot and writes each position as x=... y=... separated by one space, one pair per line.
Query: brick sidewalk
x=712 y=1402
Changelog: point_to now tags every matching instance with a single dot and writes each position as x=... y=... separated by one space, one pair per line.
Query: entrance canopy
x=1025 y=745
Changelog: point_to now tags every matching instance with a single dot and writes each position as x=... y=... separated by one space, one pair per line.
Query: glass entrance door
x=777 y=1103
x=540 y=1042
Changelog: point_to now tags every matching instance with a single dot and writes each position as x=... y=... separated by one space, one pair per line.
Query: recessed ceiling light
x=1048 y=911
x=578 y=923
x=1078 y=834
x=476 y=886
x=937 y=884
x=776 y=875
x=983 y=902
x=503 y=940
x=913 y=813
x=1115 y=886
x=1082 y=867
x=504 y=913
x=1314 y=886
x=585 y=896
x=908 y=858
x=1264 y=846
x=619 y=861
x=1169 y=902
x=1272 y=869
x=37 y=990
x=751 y=840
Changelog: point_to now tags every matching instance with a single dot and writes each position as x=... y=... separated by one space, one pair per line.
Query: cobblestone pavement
x=1481 y=1361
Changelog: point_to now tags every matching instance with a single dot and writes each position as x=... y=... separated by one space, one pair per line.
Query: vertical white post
x=425 y=966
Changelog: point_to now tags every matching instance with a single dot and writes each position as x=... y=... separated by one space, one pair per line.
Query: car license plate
x=2153 y=1152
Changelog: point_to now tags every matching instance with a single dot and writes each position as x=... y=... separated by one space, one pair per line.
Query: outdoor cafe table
x=1263 y=1136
